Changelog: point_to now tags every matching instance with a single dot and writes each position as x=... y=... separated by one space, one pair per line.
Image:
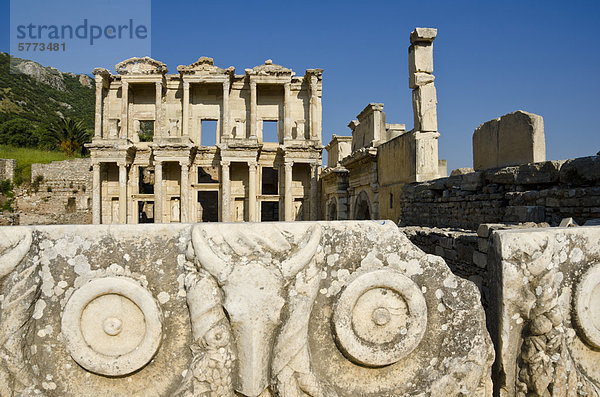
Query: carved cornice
x=141 y=66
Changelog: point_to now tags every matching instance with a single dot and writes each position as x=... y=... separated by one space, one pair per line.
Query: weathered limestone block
x=545 y=323
x=425 y=108
x=264 y=309
x=513 y=139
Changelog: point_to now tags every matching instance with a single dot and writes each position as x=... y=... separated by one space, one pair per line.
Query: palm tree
x=69 y=135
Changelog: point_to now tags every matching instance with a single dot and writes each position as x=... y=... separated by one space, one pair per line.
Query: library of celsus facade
x=205 y=144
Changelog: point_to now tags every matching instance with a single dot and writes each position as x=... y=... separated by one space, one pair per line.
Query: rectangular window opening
x=146 y=182
x=146 y=133
x=270 y=131
x=208 y=132
x=208 y=206
x=270 y=180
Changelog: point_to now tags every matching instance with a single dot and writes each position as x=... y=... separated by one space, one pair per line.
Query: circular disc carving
x=587 y=306
x=379 y=318
x=112 y=326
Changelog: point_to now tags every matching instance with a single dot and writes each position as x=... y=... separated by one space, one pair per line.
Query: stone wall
x=7 y=169
x=540 y=192
x=63 y=176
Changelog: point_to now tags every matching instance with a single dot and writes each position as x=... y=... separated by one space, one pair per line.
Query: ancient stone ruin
x=473 y=294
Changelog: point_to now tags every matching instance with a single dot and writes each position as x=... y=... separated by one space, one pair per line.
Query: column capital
x=122 y=163
x=253 y=163
x=124 y=83
x=252 y=84
x=186 y=85
x=184 y=163
x=225 y=163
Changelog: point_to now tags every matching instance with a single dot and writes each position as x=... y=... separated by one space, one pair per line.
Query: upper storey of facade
x=205 y=105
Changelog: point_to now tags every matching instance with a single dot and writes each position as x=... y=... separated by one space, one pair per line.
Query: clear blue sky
x=491 y=58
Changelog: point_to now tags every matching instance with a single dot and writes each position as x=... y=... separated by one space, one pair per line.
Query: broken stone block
x=419 y=79
x=513 y=139
x=423 y=34
x=420 y=58
x=543 y=305
x=253 y=309
x=425 y=108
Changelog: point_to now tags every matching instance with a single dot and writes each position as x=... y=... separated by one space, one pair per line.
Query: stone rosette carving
x=380 y=318
x=112 y=326
x=549 y=282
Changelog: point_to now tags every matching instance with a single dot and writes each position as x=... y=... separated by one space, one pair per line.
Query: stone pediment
x=141 y=66
x=204 y=65
x=270 y=69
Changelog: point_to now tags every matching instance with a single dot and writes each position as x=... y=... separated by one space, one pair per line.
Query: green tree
x=18 y=132
x=69 y=136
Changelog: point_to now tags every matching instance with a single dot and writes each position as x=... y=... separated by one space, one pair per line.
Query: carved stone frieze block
x=318 y=309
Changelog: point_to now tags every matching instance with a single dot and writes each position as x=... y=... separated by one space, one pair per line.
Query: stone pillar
x=288 y=210
x=252 y=191
x=98 y=120
x=421 y=80
x=225 y=192
x=287 y=111
x=314 y=169
x=420 y=67
x=186 y=108
x=226 y=131
x=158 y=197
x=158 y=110
x=184 y=191
x=124 y=109
x=253 y=101
x=134 y=188
x=313 y=110
x=96 y=198
x=122 y=192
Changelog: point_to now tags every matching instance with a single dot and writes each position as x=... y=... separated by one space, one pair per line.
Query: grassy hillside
x=22 y=96
x=27 y=156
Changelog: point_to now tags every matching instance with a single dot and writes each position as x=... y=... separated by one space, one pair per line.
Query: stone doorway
x=208 y=206
x=269 y=211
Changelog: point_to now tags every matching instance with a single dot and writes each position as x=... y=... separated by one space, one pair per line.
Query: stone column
x=96 y=198
x=253 y=101
x=313 y=107
x=313 y=192
x=158 y=197
x=288 y=207
x=98 y=120
x=225 y=192
x=184 y=191
x=252 y=191
x=158 y=110
x=124 y=109
x=122 y=192
x=287 y=112
x=225 y=132
x=186 y=108
x=134 y=184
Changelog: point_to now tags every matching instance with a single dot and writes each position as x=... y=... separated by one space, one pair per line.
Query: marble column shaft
x=124 y=110
x=313 y=192
x=98 y=120
x=225 y=192
x=158 y=197
x=96 y=197
x=252 y=166
x=288 y=199
x=122 y=193
x=186 y=108
x=287 y=111
x=253 y=106
x=158 y=110
x=184 y=190
x=225 y=132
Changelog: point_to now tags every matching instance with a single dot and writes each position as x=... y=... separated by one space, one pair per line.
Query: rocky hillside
x=41 y=94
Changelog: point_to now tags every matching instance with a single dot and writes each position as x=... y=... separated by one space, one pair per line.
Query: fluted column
x=287 y=111
x=98 y=119
x=158 y=197
x=252 y=191
x=288 y=199
x=158 y=110
x=225 y=192
x=186 y=108
x=253 y=109
x=96 y=198
x=134 y=181
x=122 y=192
x=124 y=109
x=184 y=190
x=225 y=132
x=313 y=192
x=313 y=107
